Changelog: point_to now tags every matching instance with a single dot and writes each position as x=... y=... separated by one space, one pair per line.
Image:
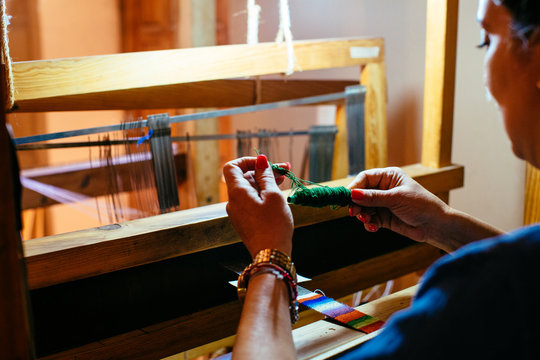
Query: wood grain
x=441 y=45
x=215 y=93
x=344 y=281
x=15 y=337
x=532 y=196
x=81 y=254
x=52 y=79
x=187 y=332
x=374 y=78
x=340 y=162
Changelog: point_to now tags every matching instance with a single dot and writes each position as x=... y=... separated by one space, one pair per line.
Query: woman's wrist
x=278 y=264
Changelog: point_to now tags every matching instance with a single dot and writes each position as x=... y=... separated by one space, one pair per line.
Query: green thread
x=319 y=196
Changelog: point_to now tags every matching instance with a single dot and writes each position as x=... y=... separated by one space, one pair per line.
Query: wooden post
x=15 y=336
x=374 y=78
x=441 y=43
x=207 y=164
x=532 y=196
x=340 y=163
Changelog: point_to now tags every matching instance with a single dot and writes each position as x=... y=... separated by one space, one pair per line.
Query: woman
x=482 y=301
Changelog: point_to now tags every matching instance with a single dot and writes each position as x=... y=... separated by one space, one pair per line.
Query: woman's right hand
x=389 y=198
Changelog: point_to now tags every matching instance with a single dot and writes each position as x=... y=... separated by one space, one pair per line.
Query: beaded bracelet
x=277 y=263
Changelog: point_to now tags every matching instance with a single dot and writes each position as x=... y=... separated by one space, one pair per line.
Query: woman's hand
x=257 y=209
x=390 y=199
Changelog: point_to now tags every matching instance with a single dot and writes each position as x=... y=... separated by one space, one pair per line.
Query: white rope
x=6 y=58
x=285 y=34
x=254 y=13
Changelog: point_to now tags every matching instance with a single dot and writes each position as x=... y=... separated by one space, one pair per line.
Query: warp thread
x=6 y=58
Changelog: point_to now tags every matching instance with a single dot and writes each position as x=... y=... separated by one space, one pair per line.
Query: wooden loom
x=77 y=281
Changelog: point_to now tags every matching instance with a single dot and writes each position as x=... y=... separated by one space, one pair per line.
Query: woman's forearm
x=265 y=326
x=458 y=229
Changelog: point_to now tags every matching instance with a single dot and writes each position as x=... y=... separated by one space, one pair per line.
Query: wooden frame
x=90 y=83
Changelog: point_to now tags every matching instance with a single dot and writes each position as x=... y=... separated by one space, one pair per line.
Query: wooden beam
x=340 y=162
x=88 y=179
x=374 y=79
x=441 y=44
x=46 y=79
x=342 y=282
x=187 y=332
x=532 y=196
x=15 y=337
x=216 y=93
x=81 y=254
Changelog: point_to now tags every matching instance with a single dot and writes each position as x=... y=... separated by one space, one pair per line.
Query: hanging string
x=317 y=196
x=253 y=14
x=285 y=34
x=6 y=58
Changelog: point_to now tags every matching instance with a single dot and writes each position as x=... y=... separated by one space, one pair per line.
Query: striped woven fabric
x=341 y=312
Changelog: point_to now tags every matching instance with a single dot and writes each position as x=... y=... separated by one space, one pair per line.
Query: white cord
x=254 y=13
x=285 y=34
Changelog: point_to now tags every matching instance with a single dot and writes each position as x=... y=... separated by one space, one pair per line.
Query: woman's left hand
x=257 y=209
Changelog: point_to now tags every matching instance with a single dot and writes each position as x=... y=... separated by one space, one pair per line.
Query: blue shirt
x=481 y=302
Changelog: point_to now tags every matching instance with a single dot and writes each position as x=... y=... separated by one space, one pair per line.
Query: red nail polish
x=357 y=194
x=288 y=165
x=351 y=212
x=372 y=227
x=262 y=162
x=361 y=218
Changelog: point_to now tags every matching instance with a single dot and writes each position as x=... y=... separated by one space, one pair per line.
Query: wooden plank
x=124 y=72
x=441 y=44
x=532 y=196
x=215 y=93
x=374 y=78
x=15 y=337
x=344 y=281
x=166 y=338
x=88 y=179
x=340 y=163
x=323 y=339
x=207 y=165
x=76 y=255
x=187 y=332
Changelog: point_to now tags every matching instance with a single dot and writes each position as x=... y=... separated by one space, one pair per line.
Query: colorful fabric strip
x=341 y=312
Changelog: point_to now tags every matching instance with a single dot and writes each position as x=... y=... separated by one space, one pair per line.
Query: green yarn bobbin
x=319 y=196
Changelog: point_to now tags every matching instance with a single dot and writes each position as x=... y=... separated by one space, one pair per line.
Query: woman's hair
x=526 y=19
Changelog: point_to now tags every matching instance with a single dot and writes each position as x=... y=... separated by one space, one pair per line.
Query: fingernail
x=361 y=218
x=288 y=165
x=357 y=194
x=262 y=162
x=351 y=212
x=372 y=227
